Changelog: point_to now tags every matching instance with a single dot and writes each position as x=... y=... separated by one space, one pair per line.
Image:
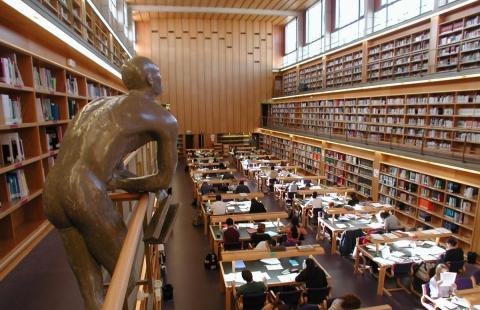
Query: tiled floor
x=43 y=280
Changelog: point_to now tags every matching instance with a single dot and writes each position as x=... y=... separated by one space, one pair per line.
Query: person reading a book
x=438 y=287
x=453 y=252
x=231 y=234
x=259 y=235
x=219 y=206
x=90 y=163
x=251 y=287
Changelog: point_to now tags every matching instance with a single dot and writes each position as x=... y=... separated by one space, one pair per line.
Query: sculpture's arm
x=166 y=136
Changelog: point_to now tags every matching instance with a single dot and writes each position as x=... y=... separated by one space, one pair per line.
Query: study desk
x=304 y=204
x=291 y=259
x=205 y=159
x=338 y=226
x=401 y=252
x=212 y=171
x=214 y=164
x=471 y=296
x=233 y=207
x=273 y=228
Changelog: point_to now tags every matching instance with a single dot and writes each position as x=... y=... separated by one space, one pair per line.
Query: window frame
x=295 y=20
x=309 y=40
x=359 y=17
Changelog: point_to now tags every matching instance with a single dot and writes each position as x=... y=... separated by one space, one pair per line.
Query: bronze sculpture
x=90 y=163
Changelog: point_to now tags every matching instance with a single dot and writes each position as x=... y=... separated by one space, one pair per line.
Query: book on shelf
x=12 y=148
x=47 y=110
x=9 y=72
x=17 y=186
x=73 y=108
x=54 y=137
x=44 y=80
x=72 y=85
x=10 y=110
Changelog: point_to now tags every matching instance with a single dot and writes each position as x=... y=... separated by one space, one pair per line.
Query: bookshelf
x=444 y=123
x=311 y=77
x=44 y=97
x=402 y=57
x=342 y=169
x=181 y=146
x=459 y=44
x=423 y=200
x=344 y=70
x=289 y=82
x=307 y=157
x=80 y=17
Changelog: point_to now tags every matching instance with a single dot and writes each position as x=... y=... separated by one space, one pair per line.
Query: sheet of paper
x=382 y=261
x=257 y=276
x=269 y=224
x=376 y=237
x=448 y=278
x=270 y=261
x=239 y=264
x=341 y=226
x=274 y=267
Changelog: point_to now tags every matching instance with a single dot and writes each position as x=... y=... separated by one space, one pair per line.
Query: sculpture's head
x=141 y=73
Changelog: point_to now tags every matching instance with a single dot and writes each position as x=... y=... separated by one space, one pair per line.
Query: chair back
x=317 y=295
x=463 y=283
x=476 y=277
x=456 y=266
x=291 y=195
x=426 y=300
x=232 y=246
x=253 y=301
x=402 y=269
x=426 y=289
x=291 y=298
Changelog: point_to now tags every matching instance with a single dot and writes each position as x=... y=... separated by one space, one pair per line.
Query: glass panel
x=291 y=36
x=315 y=22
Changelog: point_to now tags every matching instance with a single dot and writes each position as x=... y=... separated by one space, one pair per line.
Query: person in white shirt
x=315 y=201
x=390 y=221
x=435 y=283
x=218 y=207
x=272 y=174
x=293 y=188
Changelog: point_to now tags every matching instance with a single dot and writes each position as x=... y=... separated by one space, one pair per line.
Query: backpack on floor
x=167 y=292
x=211 y=261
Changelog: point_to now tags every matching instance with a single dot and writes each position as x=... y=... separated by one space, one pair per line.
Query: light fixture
x=34 y=16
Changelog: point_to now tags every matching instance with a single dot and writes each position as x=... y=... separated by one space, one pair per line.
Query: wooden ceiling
x=269 y=7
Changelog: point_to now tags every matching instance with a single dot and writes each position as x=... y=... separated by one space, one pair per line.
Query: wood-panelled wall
x=215 y=72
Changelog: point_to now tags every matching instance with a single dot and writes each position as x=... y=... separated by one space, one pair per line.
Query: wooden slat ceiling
x=281 y=5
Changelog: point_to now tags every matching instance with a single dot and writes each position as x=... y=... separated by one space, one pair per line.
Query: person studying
x=242 y=188
x=313 y=276
x=251 y=287
x=218 y=207
x=439 y=287
x=390 y=221
x=231 y=234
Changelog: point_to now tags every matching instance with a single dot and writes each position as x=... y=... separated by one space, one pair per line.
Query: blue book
x=55 y=111
x=239 y=264
x=293 y=262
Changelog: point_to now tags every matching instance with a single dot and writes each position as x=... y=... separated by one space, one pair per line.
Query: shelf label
x=24 y=201
x=18 y=165
x=14 y=126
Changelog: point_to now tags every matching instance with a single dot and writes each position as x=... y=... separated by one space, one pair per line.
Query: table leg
x=357 y=258
x=216 y=246
x=205 y=224
x=228 y=298
x=381 y=280
x=334 y=242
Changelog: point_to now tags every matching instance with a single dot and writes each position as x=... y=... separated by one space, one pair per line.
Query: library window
x=347 y=12
x=391 y=12
x=112 y=5
x=314 y=21
x=291 y=37
x=445 y=2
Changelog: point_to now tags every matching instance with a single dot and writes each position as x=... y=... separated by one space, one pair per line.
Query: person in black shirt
x=353 y=199
x=242 y=188
x=256 y=206
x=205 y=188
x=453 y=253
x=259 y=235
x=312 y=275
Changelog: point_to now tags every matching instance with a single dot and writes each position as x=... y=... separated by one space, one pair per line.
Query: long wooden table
x=427 y=251
x=252 y=260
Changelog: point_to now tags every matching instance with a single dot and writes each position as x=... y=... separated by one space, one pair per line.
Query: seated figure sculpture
x=90 y=163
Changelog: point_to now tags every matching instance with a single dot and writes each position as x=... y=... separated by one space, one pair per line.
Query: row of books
x=54 y=137
x=12 y=148
x=17 y=186
x=72 y=85
x=47 y=110
x=10 y=110
x=95 y=91
x=9 y=72
x=44 y=79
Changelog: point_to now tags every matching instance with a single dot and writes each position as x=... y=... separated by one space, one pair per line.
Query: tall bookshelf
x=459 y=44
x=311 y=77
x=290 y=83
x=308 y=157
x=423 y=200
x=402 y=57
x=345 y=70
x=48 y=96
x=443 y=123
x=342 y=169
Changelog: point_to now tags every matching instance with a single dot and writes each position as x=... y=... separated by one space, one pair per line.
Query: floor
x=43 y=280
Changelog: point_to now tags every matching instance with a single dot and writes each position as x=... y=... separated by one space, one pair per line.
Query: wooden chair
x=316 y=296
x=399 y=272
x=291 y=298
x=251 y=301
x=426 y=300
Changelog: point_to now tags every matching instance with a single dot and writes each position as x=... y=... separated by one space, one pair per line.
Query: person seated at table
x=390 y=221
x=228 y=176
x=367 y=202
x=219 y=206
x=247 y=162
x=316 y=203
x=437 y=290
x=231 y=234
x=283 y=173
x=259 y=235
x=353 y=199
x=222 y=166
x=205 y=188
x=313 y=276
x=256 y=206
x=453 y=253
x=251 y=287
x=242 y=188
x=295 y=233
x=346 y=302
